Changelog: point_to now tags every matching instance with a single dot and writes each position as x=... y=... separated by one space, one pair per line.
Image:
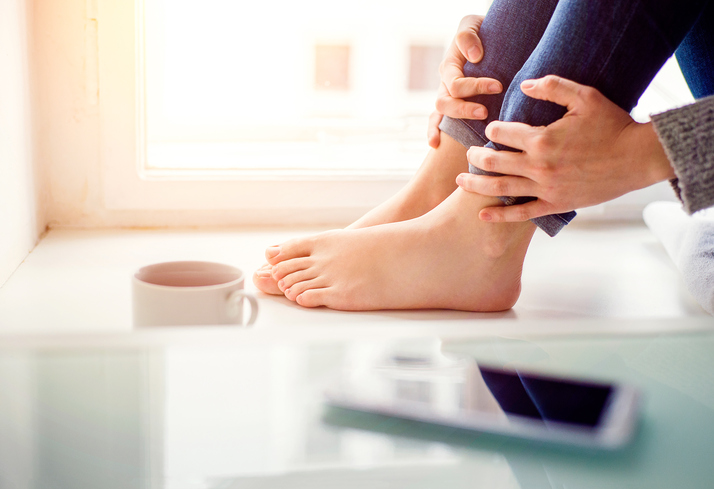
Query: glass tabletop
x=254 y=415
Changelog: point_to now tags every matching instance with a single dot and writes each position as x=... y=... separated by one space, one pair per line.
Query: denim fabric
x=616 y=46
x=696 y=55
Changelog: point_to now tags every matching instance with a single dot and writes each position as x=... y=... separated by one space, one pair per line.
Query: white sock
x=689 y=241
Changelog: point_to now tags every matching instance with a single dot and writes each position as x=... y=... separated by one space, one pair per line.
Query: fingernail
x=272 y=252
x=527 y=84
x=485 y=216
x=459 y=180
x=474 y=54
x=480 y=113
x=494 y=88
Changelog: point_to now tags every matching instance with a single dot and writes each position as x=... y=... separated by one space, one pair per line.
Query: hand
x=455 y=87
x=595 y=153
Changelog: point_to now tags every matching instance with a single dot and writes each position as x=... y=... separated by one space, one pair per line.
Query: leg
x=599 y=44
x=435 y=180
x=448 y=258
x=696 y=55
x=510 y=33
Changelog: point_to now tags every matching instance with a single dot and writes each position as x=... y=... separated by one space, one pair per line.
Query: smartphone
x=467 y=394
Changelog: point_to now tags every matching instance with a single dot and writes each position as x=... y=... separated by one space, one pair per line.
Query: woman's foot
x=434 y=181
x=446 y=259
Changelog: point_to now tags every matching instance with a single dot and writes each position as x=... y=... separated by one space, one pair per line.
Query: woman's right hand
x=455 y=86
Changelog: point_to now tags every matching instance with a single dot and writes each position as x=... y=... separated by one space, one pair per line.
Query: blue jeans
x=616 y=46
x=696 y=55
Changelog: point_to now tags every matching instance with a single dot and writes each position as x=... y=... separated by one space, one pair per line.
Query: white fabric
x=689 y=241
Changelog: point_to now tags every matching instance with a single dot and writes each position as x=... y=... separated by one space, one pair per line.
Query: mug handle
x=239 y=295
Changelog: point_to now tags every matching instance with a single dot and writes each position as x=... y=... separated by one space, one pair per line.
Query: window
x=308 y=88
x=266 y=113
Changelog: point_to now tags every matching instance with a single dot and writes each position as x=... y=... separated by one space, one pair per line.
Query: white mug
x=190 y=293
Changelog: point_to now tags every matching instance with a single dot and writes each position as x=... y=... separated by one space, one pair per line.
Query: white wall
x=68 y=115
x=21 y=216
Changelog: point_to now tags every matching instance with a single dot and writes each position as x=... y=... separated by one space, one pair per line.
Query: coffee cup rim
x=240 y=275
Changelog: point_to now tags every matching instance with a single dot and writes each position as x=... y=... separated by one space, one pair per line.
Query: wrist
x=657 y=165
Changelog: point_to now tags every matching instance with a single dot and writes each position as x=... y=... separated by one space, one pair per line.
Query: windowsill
x=593 y=278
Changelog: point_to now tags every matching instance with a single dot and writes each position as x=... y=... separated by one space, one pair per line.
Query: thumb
x=467 y=39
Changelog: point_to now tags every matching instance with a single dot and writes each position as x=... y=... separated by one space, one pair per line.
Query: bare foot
x=445 y=259
x=434 y=181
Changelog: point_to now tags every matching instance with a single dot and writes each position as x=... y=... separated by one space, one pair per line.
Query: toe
x=294 y=278
x=284 y=268
x=295 y=248
x=265 y=282
x=312 y=297
x=300 y=287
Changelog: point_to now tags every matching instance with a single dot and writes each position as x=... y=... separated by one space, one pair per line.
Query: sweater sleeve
x=687 y=135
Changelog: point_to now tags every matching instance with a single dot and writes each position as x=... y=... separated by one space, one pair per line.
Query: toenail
x=264 y=273
x=281 y=284
x=272 y=252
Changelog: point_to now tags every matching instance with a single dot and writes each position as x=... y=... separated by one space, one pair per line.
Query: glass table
x=225 y=416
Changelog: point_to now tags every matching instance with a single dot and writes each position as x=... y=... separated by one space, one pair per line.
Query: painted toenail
x=272 y=252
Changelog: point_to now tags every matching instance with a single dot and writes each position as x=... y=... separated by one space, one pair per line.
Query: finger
x=451 y=71
x=514 y=134
x=466 y=87
x=515 y=213
x=467 y=39
x=433 y=132
x=558 y=90
x=506 y=185
x=507 y=162
x=460 y=109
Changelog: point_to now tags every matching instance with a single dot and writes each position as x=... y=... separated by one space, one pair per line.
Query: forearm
x=687 y=136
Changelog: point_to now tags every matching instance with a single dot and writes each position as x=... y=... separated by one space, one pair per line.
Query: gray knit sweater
x=687 y=134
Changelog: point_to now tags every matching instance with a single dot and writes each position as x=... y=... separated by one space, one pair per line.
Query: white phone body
x=456 y=394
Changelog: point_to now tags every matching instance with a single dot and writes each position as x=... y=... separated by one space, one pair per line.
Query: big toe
x=295 y=248
x=264 y=281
